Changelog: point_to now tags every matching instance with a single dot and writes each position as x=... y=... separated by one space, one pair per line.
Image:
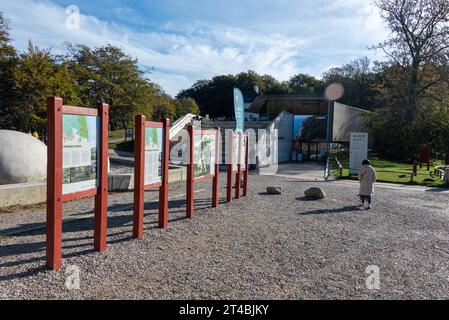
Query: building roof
x=260 y=101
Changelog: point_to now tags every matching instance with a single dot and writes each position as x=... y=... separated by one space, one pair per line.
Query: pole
x=163 y=191
x=217 y=169
x=54 y=183
x=139 y=177
x=246 y=172
x=101 y=198
x=239 y=169
x=190 y=174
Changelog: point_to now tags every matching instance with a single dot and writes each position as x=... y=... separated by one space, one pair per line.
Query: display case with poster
x=203 y=163
x=80 y=147
x=150 y=168
x=204 y=153
x=77 y=167
x=154 y=152
x=238 y=153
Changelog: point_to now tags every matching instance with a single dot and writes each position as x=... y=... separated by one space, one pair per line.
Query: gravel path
x=258 y=247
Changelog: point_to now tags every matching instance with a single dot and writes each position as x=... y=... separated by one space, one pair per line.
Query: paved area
x=258 y=247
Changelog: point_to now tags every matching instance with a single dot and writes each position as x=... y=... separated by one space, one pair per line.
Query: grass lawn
x=117 y=135
x=395 y=172
x=117 y=141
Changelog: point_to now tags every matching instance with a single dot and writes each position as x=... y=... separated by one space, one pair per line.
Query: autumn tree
x=8 y=63
x=39 y=75
x=419 y=40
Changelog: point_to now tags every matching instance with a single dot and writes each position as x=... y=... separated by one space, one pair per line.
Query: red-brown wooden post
x=163 y=191
x=230 y=167
x=238 y=176
x=139 y=176
x=246 y=172
x=54 y=183
x=190 y=174
x=101 y=198
x=217 y=169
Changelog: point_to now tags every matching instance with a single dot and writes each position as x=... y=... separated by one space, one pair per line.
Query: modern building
x=302 y=123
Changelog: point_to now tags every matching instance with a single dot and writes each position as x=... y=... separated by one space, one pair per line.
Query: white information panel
x=81 y=143
x=153 y=155
x=235 y=152
x=204 y=154
x=243 y=153
x=358 y=151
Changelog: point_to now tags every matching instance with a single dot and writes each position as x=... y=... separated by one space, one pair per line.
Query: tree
x=184 y=106
x=274 y=87
x=39 y=75
x=165 y=108
x=360 y=83
x=108 y=74
x=214 y=97
x=304 y=84
x=420 y=39
x=8 y=64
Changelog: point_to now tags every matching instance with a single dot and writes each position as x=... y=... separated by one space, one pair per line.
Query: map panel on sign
x=81 y=143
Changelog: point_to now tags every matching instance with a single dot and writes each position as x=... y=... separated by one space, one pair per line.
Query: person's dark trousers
x=365 y=198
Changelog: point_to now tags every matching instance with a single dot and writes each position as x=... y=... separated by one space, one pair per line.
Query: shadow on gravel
x=72 y=242
x=114 y=221
x=347 y=209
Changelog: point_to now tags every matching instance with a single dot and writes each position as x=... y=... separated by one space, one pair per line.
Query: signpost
x=77 y=168
x=129 y=134
x=358 y=151
x=203 y=163
x=238 y=158
x=150 y=169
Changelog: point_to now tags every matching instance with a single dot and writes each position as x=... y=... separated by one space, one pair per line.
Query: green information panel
x=153 y=155
x=204 y=154
x=81 y=143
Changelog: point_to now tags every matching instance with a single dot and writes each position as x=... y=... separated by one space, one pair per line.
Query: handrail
x=328 y=169
x=180 y=124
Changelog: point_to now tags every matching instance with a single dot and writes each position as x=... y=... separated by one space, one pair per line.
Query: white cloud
x=183 y=53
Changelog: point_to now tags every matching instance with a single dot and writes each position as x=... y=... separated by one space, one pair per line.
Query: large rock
x=22 y=158
x=274 y=190
x=315 y=193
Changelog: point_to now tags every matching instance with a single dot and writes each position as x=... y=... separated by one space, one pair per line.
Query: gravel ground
x=121 y=168
x=258 y=247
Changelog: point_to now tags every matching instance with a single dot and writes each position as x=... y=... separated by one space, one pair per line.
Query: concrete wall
x=34 y=193
x=347 y=119
x=22 y=194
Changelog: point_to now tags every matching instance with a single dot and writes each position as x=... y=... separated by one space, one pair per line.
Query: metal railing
x=330 y=166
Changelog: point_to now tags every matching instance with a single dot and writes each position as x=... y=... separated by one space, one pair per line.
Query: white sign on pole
x=358 y=151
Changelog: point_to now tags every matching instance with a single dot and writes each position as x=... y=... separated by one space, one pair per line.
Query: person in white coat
x=367 y=177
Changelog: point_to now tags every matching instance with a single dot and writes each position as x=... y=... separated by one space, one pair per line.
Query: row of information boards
x=78 y=168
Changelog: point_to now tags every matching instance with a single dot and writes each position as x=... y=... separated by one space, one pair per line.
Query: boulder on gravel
x=275 y=190
x=315 y=193
x=23 y=158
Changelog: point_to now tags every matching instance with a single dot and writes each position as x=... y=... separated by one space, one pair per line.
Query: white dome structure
x=23 y=158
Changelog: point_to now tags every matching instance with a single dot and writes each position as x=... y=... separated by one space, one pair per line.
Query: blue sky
x=185 y=41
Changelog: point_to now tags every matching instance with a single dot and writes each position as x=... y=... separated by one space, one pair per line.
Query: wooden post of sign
x=101 y=198
x=139 y=176
x=246 y=172
x=217 y=169
x=230 y=167
x=190 y=174
x=238 y=175
x=54 y=183
x=163 y=191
